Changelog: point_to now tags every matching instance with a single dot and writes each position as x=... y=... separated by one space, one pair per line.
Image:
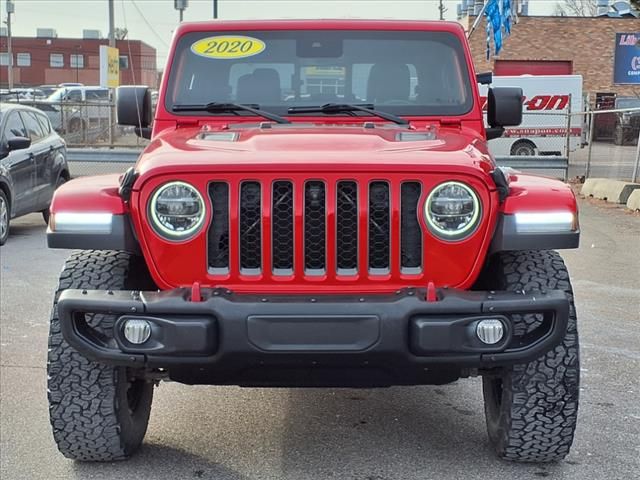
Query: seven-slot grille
x=290 y=224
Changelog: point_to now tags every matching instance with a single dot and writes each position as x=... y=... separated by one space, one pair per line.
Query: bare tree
x=577 y=8
x=120 y=33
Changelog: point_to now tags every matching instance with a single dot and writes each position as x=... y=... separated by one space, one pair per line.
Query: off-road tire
x=531 y=409
x=97 y=412
x=5 y=212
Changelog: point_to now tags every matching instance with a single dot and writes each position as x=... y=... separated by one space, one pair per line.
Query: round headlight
x=452 y=211
x=176 y=210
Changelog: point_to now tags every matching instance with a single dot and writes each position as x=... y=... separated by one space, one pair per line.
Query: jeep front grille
x=219 y=232
x=347 y=227
x=250 y=228
x=315 y=228
x=282 y=227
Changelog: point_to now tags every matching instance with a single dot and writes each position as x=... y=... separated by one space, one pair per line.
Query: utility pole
x=181 y=6
x=112 y=44
x=10 y=10
x=215 y=8
x=112 y=28
x=442 y=9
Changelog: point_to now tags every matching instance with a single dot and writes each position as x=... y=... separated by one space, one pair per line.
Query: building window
x=124 y=62
x=4 y=59
x=23 y=59
x=76 y=60
x=56 y=60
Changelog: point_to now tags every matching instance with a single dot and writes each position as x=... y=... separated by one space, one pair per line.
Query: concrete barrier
x=633 y=202
x=613 y=191
x=589 y=186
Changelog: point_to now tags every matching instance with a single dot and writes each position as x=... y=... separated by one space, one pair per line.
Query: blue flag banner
x=506 y=16
x=494 y=23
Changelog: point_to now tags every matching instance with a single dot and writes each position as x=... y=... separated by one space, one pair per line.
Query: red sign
x=540 y=102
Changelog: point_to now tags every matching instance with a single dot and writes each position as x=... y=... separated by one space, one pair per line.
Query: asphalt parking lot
x=231 y=433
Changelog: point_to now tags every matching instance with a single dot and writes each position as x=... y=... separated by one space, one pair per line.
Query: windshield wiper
x=217 y=107
x=349 y=107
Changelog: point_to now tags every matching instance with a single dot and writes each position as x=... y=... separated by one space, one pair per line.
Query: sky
x=153 y=21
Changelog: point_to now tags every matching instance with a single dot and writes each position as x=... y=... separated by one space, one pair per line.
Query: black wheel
x=5 y=217
x=45 y=212
x=531 y=409
x=97 y=412
x=523 y=148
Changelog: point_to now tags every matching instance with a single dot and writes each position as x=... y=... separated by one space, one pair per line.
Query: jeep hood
x=315 y=148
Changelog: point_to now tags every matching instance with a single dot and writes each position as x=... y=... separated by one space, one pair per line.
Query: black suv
x=33 y=163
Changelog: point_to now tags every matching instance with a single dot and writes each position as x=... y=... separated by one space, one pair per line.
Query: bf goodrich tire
x=97 y=412
x=531 y=409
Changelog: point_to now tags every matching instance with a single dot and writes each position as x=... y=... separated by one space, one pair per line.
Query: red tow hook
x=196 y=296
x=431 y=293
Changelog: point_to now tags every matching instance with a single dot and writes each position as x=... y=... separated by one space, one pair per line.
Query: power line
x=153 y=30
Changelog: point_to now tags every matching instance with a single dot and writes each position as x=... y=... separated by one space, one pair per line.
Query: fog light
x=137 y=331
x=490 y=331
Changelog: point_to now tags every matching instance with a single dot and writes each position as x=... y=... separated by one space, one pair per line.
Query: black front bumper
x=321 y=340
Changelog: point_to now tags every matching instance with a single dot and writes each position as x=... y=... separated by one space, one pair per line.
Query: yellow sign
x=109 y=67
x=228 y=46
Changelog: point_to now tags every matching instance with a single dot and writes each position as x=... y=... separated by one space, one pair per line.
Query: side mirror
x=18 y=143
x=504 y=106
x=484 y=78
x=133 y=107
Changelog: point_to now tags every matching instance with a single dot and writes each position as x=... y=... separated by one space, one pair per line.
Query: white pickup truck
x=76 y=108
x=548 y=100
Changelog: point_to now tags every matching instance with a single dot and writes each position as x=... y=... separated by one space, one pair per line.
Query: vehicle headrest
x=261 y=87
x=388 y=81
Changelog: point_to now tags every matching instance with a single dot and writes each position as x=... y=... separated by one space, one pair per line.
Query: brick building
x=40 y=60
x=559 y=45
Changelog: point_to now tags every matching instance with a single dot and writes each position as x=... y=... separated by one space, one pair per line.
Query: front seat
x=261 y=87
x=388 y=82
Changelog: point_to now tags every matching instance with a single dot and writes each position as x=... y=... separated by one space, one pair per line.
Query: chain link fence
x=611 y=148
x=551 y=140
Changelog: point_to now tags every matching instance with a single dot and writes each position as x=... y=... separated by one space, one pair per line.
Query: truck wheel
x=97 y=412
x=45 y=212
x=531 y=408
x=523 y=147
x=5 y=217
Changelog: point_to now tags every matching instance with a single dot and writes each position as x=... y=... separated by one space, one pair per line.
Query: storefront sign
x=626 y=66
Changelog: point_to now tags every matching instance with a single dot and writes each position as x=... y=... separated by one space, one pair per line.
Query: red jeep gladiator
x=317 y=207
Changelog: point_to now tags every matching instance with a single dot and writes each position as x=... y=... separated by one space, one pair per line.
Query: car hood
x=317 y=148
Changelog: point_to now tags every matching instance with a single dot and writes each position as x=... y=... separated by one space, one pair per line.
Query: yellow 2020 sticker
x=228 y=46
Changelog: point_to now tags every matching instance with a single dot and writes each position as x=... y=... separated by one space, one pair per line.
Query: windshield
x=628 y=102
x=58 y=95
x=400 y=72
